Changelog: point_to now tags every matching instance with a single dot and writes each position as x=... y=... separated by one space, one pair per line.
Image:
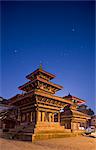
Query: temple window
x=74 y=101
x=81 y=124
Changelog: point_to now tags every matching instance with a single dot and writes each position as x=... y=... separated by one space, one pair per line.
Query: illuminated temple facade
x=38 y=113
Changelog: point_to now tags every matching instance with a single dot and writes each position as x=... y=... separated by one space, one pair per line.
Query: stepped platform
x=38 y=132
x=40 y=135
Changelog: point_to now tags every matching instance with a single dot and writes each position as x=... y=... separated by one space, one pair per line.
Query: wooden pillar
x=59 y=117
x=31 y=117
x=53 y=117
x=43 y=115
x=19 y=115
x=78 y=125
x=85 y=125
x=50 y=114
x=38 y=116
x=19 y=118
x=72 y=127
x=26 y=117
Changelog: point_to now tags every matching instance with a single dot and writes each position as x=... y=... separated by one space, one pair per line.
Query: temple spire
x=40 y=67
x=69 y=94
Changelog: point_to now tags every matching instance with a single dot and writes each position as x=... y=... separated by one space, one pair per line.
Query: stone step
x=23 y=129
x=20 y=136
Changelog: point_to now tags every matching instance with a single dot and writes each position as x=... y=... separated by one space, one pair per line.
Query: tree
x=90 y=112
x=84 y=108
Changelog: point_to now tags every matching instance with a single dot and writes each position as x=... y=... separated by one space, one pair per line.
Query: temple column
x=31 y=116
x=59 y=117
x=34 y=115
x=19 y=116
x=50 y=114
x=43 y=114
x=53 y=117
x=38 y=116
x=27 y=116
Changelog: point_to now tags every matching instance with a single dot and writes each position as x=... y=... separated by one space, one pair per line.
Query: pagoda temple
x=39 y=108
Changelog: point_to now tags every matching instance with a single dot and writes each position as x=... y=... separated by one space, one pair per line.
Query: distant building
x=3 y=100
x=7 y=114
x=3 y=103
x=93 y=121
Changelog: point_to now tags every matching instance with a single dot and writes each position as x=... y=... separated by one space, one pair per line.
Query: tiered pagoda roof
x=47 y=75
x=41 y=86
x=40 y=79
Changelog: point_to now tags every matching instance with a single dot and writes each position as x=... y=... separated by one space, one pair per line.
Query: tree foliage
x=86 y=110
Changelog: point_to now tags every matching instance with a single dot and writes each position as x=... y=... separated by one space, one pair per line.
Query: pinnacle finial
x=69 y=94
x=40 y=67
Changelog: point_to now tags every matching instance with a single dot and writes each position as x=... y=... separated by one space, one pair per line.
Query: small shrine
x=73 y=119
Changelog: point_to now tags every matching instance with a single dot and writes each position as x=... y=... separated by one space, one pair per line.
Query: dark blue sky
x=61 y=35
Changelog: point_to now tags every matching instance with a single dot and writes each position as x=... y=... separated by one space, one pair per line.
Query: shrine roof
x=80 y=113
x=51 y=76
x=76 y=112
x=70 y=97
x=42 y=80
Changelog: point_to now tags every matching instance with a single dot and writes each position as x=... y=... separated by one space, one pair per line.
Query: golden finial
x=40 y=67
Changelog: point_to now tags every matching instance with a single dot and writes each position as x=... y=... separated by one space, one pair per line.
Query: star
x=73 y=27
x=15 y=51
x=73 y=30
